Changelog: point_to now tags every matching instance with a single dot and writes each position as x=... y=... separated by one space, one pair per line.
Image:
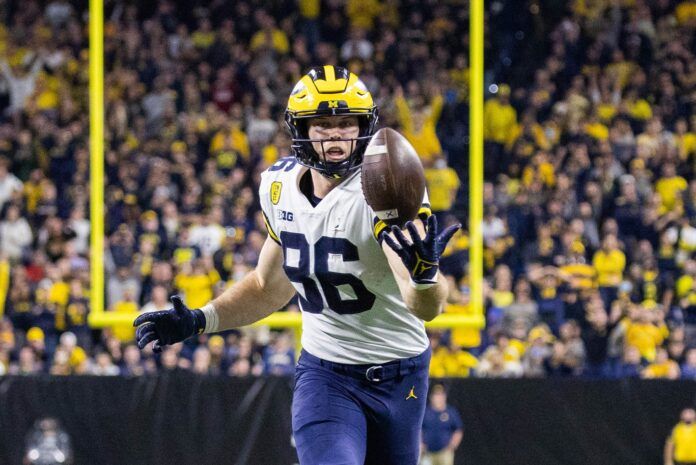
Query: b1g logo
x=285 y=215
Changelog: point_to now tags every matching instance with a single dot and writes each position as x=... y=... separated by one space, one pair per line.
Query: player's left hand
x=421 y=256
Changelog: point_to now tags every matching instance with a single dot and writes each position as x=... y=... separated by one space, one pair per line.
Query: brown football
x=393 y=180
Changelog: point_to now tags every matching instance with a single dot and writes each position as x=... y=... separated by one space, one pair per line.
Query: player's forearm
x=248 y=302
x=426 y=303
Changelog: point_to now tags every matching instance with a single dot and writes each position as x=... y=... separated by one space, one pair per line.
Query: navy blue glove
x=168 y=326
x=421 y=256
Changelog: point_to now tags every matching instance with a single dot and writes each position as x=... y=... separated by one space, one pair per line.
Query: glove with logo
x=421 y=256
x=168 y=326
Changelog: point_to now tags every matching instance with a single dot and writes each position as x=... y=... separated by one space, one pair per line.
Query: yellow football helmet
x=329 y=91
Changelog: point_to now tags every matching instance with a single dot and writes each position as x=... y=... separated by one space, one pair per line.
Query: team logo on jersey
x=411 y=394
x=285 y=215
x=276 y=187
x=333 y=103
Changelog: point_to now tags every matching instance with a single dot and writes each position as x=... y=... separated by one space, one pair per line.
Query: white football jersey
x=352 y=310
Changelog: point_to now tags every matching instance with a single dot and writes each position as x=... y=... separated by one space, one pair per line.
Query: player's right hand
x=168 y=326
x=421 y=256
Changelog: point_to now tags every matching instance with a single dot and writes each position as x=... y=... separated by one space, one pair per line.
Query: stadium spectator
x=442 y=182
x=680 y=447
x=10 y=185
x=662 y=367
x=279 y=356
x=630 y=364
x=568 y=352
x=499 y=123
x=418 y=119
x=104 y=366
x=21 y=77
x=15 y=234
x=596 y=329
x=538 y=351
x=688 y=368
x=132 y=364
x=442 y=429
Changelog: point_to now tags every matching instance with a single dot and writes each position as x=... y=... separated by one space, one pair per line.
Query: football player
x=364 y=289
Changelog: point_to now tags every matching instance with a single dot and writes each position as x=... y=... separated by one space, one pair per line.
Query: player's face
x=332 y=132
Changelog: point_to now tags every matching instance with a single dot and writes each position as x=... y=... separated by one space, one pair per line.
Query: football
x=393 y=181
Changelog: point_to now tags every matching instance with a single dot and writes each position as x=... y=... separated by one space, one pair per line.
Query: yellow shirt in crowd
x=685 y=12
x=59 y=293
x=684 y=438
x=442 y=184
x=423 y=139
x=499 y=121
x=124 y=333
x=279 y=41
x=686 y=289
x=463 y=337
x=309 y=8
x=203 y=39
x=580 y=275
x=661 y=370
x=543 y=172
x=198 y=288
x=686 y=143
x=609 y=266
x=446 y=363
x=645 y=337
x=640 y=110
x=502 y=299
x=362 y=13
x=597 y=131
x=670 y=190
x=606 y=112
x=235 y=140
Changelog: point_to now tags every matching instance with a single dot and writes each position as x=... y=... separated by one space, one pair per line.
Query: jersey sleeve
x=266 y=186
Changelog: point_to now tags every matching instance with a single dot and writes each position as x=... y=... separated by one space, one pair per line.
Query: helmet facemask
x=303 y=149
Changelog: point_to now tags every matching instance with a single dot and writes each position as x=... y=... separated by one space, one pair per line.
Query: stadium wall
x=180 y=418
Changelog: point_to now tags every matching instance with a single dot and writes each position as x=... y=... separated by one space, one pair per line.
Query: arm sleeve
x=266 y=208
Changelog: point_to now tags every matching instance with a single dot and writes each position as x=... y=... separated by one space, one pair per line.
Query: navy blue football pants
x=359 y=414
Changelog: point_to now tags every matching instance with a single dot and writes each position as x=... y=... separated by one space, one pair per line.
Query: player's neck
x=322 y=185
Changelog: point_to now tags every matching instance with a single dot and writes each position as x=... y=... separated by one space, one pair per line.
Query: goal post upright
x=476 y=69
x=96 y=158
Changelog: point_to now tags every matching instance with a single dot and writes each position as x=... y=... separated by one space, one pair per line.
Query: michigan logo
x=276 y=187
x=333 y=103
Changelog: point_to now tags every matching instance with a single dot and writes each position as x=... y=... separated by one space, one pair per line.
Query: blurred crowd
x=590 y=153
